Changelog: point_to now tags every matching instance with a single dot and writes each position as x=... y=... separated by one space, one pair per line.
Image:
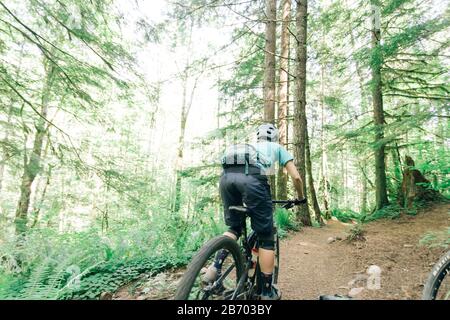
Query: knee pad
x=266 y=241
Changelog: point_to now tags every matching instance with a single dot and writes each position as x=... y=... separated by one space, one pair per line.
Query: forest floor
x=318 y=261
x=311 y=266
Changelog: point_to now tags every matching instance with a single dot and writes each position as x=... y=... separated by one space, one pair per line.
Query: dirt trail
x=311 y=266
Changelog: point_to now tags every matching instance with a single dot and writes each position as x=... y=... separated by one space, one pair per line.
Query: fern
x=38 y=283
x=436 y=239
x=284 y=221
x=82 y=265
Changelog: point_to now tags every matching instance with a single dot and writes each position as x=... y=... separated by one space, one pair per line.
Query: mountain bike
x=437 y=286
x=240 y=276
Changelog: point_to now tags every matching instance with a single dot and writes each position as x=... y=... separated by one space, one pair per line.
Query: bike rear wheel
x=193 y=287
x=276 y=270
x=437 y=286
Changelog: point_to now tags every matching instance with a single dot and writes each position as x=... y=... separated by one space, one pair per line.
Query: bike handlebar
x=289 y=203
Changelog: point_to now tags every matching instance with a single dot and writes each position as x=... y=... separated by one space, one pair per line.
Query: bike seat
x=238 y=209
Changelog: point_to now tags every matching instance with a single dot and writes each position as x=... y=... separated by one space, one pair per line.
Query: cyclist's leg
x=230 y=197
x=258 y=198
x=255 y=191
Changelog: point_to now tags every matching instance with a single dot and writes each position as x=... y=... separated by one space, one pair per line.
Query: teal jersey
x=272 y=152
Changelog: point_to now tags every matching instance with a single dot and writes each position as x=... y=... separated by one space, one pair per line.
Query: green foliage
x=44 y=260
x=111 y=277
x=389 y=212
x=315 y=223
x=436 y=168
x=356 y=233
x=436 y=239
x=285 y=221
x=345 y=215
x=393 y=5
x=408 y=36
x=82 y=265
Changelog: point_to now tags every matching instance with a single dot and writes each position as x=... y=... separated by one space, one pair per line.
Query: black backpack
x=242 y=154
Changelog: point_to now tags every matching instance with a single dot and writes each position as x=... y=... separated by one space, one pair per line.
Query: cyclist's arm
x=296 y=178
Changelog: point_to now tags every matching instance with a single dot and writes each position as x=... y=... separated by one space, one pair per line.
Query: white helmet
x=267 y=132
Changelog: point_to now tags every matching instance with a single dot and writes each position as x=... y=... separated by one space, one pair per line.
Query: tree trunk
x=12 y=101
x=185 y=108
x=347 y=193
x=396 y=161
x=343 y=186
x=312 y=190
x=283 y=93
x=269 y=72
x=179 y=164
x=300 y=102
x=4 y=156
x=325 y=184
x=364 y=108
x=362 y=92
x=32 y=165
x=378 y=113
x=35 y=201
x=179 y=168
x=363 y=204
x=105 y=211
x=269 y=62
x=219 y=146
x=37 y=208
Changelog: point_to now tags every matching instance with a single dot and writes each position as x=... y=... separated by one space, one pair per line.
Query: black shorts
x=254 y=191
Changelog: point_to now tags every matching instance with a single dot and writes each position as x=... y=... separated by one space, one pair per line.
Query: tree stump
x=415 y=186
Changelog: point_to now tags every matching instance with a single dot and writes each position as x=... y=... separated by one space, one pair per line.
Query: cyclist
x=247 y=183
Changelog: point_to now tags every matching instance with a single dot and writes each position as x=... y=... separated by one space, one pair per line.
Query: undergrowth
x=392 y=211
x=356 y=233
x=285 y=221
x=82 y=265
x=437 y=238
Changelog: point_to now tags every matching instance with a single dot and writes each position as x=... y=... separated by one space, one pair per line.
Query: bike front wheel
x=195 y=285
x=437 y=286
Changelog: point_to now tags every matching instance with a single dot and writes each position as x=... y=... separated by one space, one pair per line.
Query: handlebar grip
x=290 y=203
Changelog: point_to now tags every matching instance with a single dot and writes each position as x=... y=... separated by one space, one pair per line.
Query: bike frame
x=248 y=242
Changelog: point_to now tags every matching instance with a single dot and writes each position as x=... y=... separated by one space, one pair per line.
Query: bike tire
x=276 y=270
x=440 y=270
x=198 y=262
